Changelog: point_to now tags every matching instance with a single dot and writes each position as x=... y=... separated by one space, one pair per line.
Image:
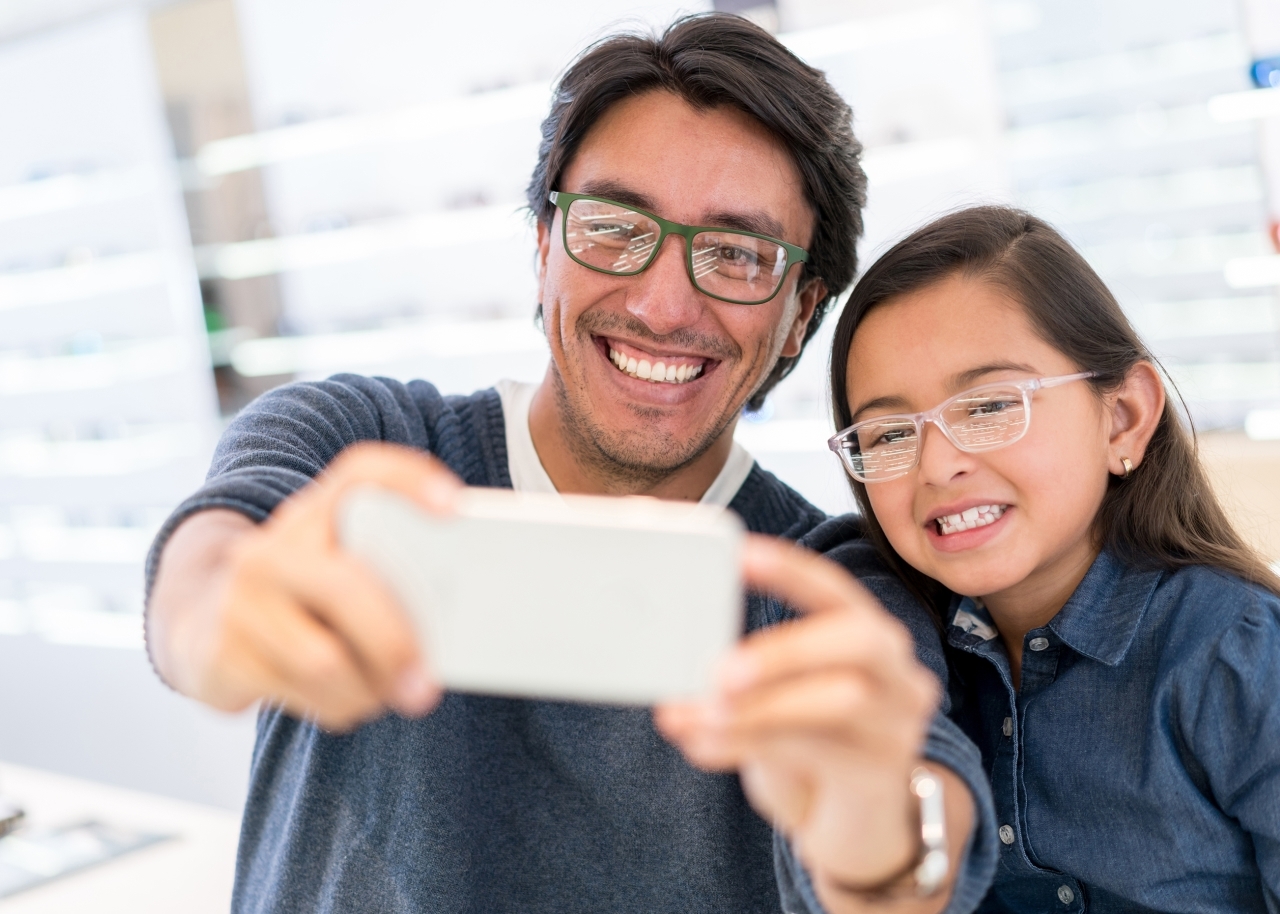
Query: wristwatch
x=929 y=868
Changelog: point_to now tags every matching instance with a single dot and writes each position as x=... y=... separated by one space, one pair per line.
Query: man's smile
x=655 y=366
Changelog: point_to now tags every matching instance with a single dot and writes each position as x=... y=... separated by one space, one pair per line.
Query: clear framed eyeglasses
x=980 y=419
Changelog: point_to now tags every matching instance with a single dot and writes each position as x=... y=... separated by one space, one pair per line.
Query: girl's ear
x=1136 y=409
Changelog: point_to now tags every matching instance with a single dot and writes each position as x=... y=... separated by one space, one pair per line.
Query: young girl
x=1114 y=646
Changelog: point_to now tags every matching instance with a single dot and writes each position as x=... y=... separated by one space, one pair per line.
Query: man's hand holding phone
x=824 y=718
x=279 y=612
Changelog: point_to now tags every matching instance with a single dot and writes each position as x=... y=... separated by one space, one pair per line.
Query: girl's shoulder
x=1224 y=685
x=1215 y=600
x=1216 y=633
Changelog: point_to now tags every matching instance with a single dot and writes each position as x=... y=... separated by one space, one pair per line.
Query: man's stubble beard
x=625 y=461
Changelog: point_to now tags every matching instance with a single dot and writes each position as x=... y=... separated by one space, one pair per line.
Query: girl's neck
x=1036 y=599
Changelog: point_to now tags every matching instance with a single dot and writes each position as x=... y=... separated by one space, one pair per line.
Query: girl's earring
x=1128 y=467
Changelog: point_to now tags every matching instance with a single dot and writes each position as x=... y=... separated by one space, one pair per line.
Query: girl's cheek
x=892 y=503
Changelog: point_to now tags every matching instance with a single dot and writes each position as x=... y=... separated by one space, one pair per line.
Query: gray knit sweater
x=490 y=804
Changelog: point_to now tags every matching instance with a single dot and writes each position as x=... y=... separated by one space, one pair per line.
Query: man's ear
x=1136 y=409
x=812 y=292
x=544 y=248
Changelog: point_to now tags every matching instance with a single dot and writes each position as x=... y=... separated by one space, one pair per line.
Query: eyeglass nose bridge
x=935 y=416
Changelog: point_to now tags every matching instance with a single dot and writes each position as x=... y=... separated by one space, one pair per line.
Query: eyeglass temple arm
x=1064 y=379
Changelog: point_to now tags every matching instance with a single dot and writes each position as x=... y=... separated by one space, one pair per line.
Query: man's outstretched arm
x=241 y=612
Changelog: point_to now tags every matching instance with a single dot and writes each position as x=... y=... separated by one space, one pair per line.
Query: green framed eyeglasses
x=742 y=268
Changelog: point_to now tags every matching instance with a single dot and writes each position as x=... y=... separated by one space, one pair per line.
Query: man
x=659 y=335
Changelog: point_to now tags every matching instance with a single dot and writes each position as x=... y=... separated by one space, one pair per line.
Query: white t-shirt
x=528 y=474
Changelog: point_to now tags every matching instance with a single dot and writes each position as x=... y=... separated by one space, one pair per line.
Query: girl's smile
x=959 y=528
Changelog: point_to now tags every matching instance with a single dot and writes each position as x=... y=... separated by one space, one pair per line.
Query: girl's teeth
x=969 y=519
x=660 y=372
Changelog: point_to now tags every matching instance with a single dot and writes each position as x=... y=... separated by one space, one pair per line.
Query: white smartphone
x=611 y=600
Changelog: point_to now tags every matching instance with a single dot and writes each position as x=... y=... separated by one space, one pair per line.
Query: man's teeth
x=657 y=371
x=969 y=518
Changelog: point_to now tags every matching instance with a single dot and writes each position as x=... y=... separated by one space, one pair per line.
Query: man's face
x=715 y=168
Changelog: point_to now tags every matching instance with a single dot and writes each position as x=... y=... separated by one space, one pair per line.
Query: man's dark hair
x=713 y=60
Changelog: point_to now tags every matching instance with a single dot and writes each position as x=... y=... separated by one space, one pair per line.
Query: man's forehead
x=727 y=215
x=715 y=166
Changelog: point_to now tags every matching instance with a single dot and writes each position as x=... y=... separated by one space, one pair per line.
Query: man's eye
x=737 y=256
x=610 y=230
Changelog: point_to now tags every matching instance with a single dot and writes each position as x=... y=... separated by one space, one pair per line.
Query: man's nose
x=663 y=296
x=941 y=462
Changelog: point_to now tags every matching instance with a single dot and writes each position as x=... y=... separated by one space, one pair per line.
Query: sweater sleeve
x=282 y=441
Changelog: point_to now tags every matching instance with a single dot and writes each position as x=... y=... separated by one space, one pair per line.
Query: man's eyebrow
x=618 y=193
x=757 y=222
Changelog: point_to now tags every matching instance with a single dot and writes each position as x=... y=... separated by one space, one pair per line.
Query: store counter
x=191 y=871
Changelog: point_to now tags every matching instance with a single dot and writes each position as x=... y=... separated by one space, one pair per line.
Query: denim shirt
x=1138 y=766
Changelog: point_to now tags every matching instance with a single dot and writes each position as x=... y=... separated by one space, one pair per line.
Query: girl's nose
x=941 y=462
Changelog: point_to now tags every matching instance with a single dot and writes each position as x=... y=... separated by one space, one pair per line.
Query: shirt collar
x=1099 y=621
x=1102 y=616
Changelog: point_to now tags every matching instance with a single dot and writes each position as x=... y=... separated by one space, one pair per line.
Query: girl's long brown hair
x=1164 y=515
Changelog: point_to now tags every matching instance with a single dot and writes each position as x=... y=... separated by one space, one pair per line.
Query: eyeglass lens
x=981 y=420
x=726 y=264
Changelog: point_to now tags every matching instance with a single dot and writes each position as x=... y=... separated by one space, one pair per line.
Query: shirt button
x=1065 y=895
x=1038 y=644
x=1007 y=727
x=1006 y=834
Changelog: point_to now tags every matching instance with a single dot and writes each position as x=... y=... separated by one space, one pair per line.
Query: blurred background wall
x=201 y=200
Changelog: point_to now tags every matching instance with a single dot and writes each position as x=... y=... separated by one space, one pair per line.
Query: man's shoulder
x=768 y=505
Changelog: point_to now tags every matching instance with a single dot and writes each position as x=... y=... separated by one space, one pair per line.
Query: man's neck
x=574 y=468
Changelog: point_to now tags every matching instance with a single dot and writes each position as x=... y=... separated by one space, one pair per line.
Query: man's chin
x=653 y=450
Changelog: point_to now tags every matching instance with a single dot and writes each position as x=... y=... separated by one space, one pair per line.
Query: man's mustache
x=595 y=323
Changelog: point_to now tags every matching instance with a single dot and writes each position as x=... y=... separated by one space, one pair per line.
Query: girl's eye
x=990 y=407
x=892 y=436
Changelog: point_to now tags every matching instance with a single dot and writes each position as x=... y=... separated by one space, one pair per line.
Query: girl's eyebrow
x=967 y=378
x=956 y=382
x=891 y=402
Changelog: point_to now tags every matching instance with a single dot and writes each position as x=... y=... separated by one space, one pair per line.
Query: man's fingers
x=874 y=645
x=835 y=705
x=414 y=474
x=366 y=616
x=308 y=663
x=806 y=581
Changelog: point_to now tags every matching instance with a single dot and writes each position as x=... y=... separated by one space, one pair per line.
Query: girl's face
x=913 y=352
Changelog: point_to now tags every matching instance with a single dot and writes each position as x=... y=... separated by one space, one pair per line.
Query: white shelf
x=103 y=276
x=73 y=191
x=139 y=360
x=268 y=256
